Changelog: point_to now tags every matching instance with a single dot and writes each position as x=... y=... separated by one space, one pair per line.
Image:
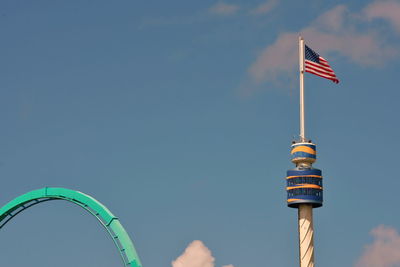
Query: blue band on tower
x=302 y=172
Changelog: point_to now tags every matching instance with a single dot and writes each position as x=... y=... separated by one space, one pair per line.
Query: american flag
x=318 y=65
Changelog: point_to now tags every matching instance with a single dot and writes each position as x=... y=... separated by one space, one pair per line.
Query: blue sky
x=179 y=115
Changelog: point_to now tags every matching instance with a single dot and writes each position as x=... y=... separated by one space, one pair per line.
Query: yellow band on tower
x=305 y=149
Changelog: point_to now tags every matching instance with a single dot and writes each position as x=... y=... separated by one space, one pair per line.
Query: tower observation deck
x=304 y=183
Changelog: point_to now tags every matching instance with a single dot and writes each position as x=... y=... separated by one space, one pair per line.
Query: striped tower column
x=306 y=235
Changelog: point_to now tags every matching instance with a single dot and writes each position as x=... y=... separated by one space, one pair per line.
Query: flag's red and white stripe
x=322 y=69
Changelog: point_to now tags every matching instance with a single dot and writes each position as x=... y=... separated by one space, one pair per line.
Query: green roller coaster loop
x=106 y=218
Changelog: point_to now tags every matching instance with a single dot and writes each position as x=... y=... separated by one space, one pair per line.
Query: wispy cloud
x=224 y=9
x=384 y=251
x=387 y=10
x=336 y=32
x=219 y=9
x=275 y=59
x=196 y=255
x=265 y=7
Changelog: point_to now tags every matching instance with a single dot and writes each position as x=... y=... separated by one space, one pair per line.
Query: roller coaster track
x=104 y=216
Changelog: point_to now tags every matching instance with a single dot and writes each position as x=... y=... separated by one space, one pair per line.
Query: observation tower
x=304 y=183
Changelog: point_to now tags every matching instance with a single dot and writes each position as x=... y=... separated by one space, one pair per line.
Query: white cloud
x=265 y=7
x=224 y=9
x=387 y=10
x=196 y=255
x=275 y=59
x=384 y=251
x=337 y=31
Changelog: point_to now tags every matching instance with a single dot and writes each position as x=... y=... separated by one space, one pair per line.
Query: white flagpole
x=302 y=69
x=305 y=211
